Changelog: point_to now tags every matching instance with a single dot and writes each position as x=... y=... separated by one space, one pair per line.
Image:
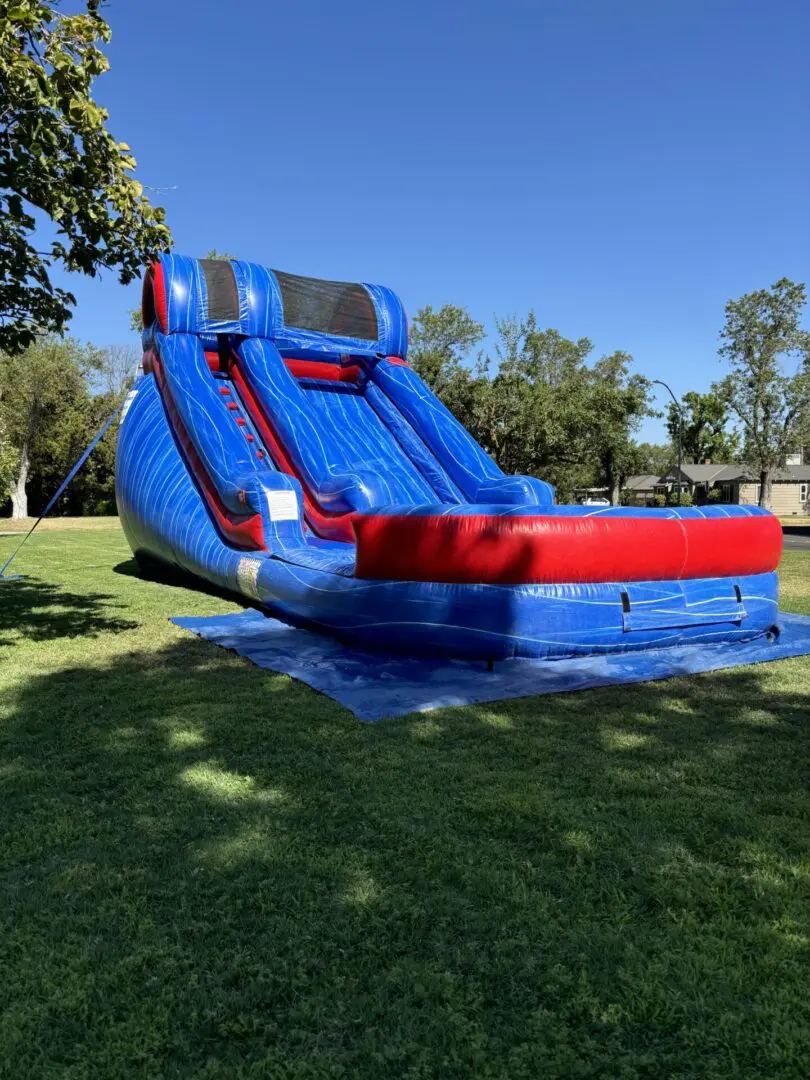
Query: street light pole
x=661 y=382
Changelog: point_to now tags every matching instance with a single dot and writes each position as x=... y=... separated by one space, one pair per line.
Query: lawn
x=208 y=870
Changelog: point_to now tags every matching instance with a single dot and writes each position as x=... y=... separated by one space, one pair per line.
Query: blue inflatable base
x=375 y=685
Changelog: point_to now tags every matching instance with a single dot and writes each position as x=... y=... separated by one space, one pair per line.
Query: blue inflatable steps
x=279 y=446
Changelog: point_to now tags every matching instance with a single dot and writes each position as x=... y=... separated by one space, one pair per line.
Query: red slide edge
x=153 y=282
x=555 y=550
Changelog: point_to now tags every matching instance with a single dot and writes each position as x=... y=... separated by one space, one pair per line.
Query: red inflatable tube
x=154 y=295
x=550 y=550
x=311 y=369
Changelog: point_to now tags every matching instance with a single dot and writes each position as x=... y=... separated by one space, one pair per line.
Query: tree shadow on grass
x=41 y=612
x=210 y=869
x=173 y=577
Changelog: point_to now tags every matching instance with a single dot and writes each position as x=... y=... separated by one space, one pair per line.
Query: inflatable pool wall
x=279 y=446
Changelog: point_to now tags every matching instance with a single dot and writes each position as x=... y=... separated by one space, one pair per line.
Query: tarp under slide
x=279 y=446
x=375 y=686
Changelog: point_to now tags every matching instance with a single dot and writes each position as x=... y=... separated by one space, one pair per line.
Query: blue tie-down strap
x=96 y=440
x=375 y=685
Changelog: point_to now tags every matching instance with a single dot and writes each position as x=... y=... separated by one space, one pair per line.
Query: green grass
x=210 y=870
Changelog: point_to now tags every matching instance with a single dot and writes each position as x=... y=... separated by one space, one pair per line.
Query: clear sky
x=624 y=167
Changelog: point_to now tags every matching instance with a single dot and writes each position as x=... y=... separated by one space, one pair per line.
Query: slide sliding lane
x=251 y=377
x=321 y=429
x=351 y=447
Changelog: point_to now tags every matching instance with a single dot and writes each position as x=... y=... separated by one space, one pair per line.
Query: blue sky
x=623 y=167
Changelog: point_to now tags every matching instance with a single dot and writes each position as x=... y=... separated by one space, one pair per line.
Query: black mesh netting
x=220 y=283
x=328 y=307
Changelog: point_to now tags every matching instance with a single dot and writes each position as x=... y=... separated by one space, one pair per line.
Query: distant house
x=642 y=489
x=790 y=493
x=699 y=480
x=733 y=483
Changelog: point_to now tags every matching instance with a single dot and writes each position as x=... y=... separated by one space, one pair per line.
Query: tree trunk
x=19 y=496
x=613 y=483
x=765 y=485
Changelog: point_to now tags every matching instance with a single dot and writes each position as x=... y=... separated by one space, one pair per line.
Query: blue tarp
x=375 y=685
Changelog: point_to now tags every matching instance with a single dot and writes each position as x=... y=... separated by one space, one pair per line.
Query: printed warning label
x=283 y=505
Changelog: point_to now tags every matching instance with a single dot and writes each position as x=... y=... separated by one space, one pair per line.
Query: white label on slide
x=283 y=505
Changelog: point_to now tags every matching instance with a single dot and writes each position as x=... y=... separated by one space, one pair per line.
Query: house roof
x=797 y=473
x=707 y=474
x=642 y=482
x=730 y=472
x=790 y=474
x=720 y=473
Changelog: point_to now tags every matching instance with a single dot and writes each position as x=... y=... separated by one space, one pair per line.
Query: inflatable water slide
x=279 y=446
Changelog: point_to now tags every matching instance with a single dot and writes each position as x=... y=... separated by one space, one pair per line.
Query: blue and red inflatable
x=279 y=446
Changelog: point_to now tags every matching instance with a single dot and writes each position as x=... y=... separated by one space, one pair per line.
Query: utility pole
x=661 y=382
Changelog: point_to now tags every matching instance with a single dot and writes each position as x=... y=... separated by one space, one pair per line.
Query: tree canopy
x=45 y=410
x=761 y=336
x=617 y=402
x=536 y=405
x=439 y=342
x=654 y=459
x=57 y=157
x=705 y=428
x=536 y=401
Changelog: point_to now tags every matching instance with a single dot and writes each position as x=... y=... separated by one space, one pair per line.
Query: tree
x=705 y=434
x=655 y=459
x=761 y=332
x=439 y=343
x=93 y=490
x=43 y=397
x=118 y=366
x=8 y=461
x=544 y=412
x=57 y=157
x=533 y=414
x=617 y=403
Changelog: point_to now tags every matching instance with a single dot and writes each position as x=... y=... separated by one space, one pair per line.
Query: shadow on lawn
x=173 y=577
x=41 y=611
x=553 y=884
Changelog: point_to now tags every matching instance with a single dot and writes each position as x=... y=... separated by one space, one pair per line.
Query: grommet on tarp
x=94 y=443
